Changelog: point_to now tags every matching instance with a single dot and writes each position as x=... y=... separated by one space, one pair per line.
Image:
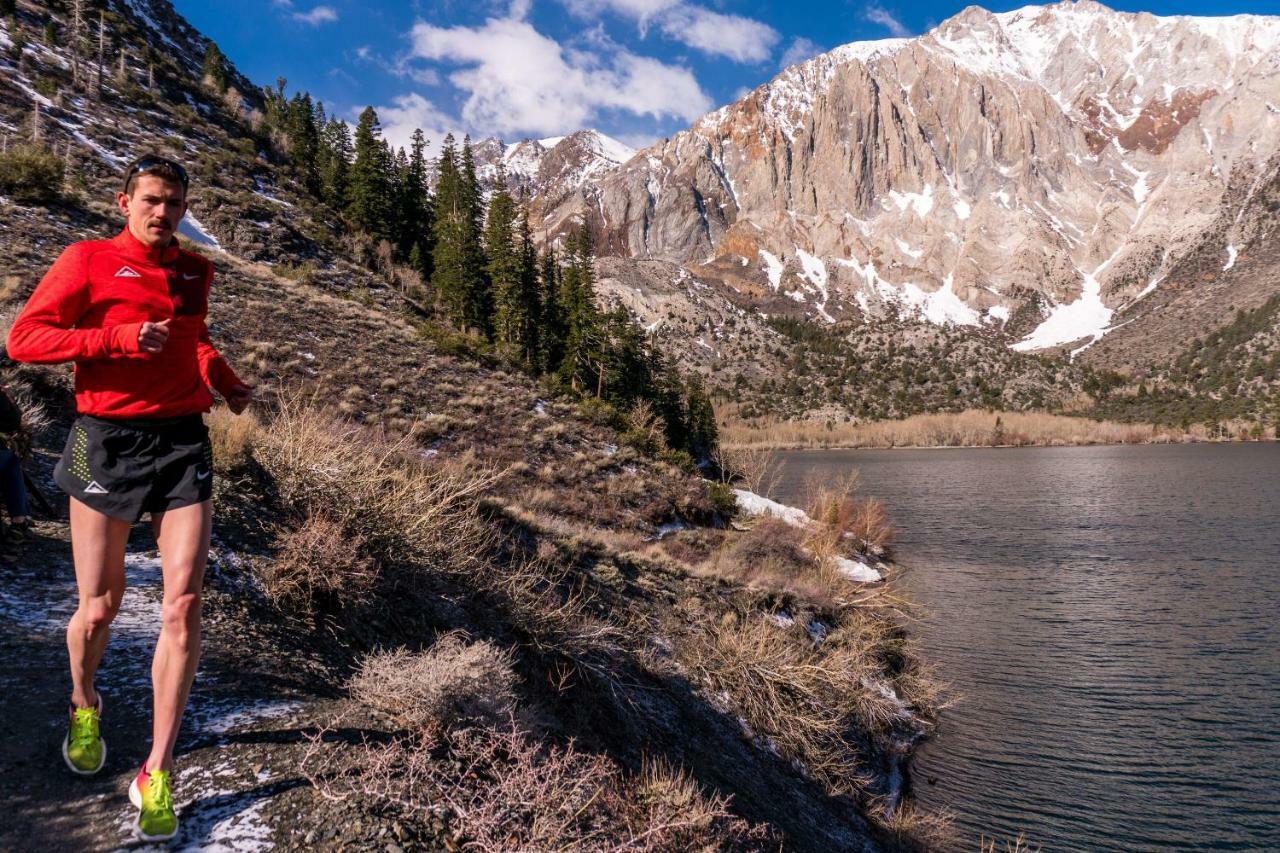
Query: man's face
x=153 y=210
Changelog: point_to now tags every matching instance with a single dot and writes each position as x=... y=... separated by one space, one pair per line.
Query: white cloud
x=520 y=81
x=801 y=49
x=882 y=16
x=317 y=16
x=733 y=36
x=411 y=112
x=637 y=140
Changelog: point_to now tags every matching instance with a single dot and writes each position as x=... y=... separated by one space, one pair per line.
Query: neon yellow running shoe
x=151 y=796
x=84 y=750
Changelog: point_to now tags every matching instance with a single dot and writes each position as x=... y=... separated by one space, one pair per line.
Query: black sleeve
x=10 y=415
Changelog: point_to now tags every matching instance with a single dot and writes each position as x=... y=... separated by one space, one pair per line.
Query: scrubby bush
x=319 y=565
x=451 y=682
x=501 y=789
x=30 y=173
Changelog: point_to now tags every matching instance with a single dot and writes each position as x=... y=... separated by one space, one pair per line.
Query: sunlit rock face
x=1061 y=160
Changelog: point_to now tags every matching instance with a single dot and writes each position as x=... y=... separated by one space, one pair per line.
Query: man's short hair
x=160 y=167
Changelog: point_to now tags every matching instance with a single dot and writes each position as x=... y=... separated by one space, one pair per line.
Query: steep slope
x=402 y=489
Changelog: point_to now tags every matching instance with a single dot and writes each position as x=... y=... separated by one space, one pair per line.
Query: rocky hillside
x=440 y=589
x=1069 y=154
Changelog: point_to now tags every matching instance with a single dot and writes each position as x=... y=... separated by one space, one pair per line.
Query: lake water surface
x=1107 y=617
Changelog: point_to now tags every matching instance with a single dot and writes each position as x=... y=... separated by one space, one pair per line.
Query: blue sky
x=635 y=69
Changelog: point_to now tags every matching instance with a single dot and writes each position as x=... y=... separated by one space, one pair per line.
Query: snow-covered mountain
x=1037 y=171
x=550 y=169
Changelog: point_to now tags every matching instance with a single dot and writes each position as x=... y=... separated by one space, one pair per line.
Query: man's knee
x=98 y=611
x=182 y=618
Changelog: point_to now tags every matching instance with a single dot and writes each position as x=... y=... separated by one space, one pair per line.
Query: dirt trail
x=238 y=749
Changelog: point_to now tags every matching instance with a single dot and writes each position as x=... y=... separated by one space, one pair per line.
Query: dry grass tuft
x=1015 y=845
x=319 y=564
x=451 y=682
x=233 y=437
x=497 y=789
x=807 y=701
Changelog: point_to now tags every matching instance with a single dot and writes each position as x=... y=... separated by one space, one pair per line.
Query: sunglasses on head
x=146 y=164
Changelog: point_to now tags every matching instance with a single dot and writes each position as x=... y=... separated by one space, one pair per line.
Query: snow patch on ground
x=753 y=504
x=773 y=268
x=998 y=312
x=1232 y=251
x=1086 y=317
x=191 y=228
x=905 y=248
x=962 y=208
x=941 y=307
x=921 y=203
x=857 y=570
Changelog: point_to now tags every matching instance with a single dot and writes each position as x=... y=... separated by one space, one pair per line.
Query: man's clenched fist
x=151 y=336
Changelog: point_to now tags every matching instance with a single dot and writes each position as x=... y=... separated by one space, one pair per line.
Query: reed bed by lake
x=972 y=428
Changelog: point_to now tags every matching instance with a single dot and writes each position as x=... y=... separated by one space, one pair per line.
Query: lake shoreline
x=794 y=446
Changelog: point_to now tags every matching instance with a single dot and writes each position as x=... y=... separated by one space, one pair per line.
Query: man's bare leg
x=97 y=547
x=183 y=537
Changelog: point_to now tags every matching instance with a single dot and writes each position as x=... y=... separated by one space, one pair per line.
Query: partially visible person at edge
x=130 y=312
x=12 y=486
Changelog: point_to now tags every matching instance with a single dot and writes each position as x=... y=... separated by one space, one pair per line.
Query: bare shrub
x=870 y=525
x=499 y=790
x=232 y=437
x=450 y=682
x=841 y=520
x=757 y=468
x=318 y=563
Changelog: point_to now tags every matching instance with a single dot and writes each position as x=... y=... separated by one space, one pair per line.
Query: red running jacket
x=89 y=309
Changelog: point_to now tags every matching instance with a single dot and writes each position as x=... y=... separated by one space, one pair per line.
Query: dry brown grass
x=807 y=701
x=451 y=682
x=232 y=436
x=971 y=428
x=378 y=489
x=318 y=564
x=1014 y=845
x=497 y=789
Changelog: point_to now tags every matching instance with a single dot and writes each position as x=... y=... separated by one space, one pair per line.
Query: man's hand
x=239 y=398
x=152 y=336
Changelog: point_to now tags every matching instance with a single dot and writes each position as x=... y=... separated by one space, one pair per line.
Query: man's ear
x=122 y=202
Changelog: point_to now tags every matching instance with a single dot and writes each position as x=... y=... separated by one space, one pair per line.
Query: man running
x=130 y=312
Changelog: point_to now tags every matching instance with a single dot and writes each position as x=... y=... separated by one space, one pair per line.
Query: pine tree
x=478 y=307
x=582 y=366
x=530 y=296
x=551 y=329
x=214 y=70
x=503 y=268
x=304 y=139
x=703 y=433
x=446 y=258
x=414 y=238
x=369 y=188
x=335 y=163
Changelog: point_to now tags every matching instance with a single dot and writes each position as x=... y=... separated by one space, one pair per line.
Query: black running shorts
x=124 y=468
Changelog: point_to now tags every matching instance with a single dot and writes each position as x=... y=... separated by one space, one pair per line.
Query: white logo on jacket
x=127 y=271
